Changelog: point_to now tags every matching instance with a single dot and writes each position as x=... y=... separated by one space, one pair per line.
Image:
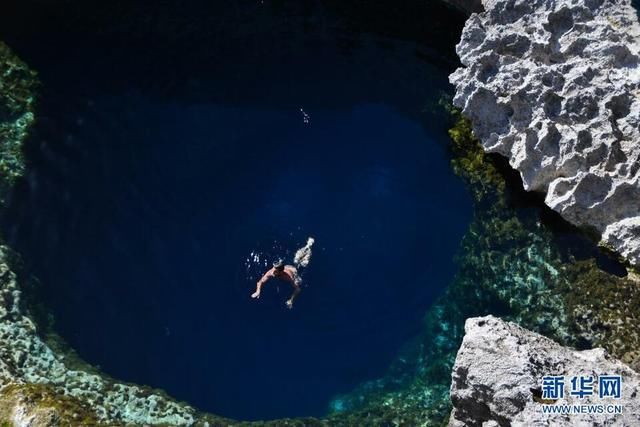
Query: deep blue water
x=152 y=179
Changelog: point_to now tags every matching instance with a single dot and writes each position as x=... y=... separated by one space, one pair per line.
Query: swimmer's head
x=279 y=266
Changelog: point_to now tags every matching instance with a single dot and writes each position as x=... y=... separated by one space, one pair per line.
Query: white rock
x=500 y=366
x=621 y=235
x=553 y=86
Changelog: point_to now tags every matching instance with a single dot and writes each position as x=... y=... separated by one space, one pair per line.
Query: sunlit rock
x=498 y=373
x=553 y=86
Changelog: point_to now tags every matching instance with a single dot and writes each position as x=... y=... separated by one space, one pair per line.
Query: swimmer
x=284 y=272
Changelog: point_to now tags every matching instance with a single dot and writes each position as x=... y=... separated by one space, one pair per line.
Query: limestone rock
x=497 y=379
x=621 y=235
x=554 y=87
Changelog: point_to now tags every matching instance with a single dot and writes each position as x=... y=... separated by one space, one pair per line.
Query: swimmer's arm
x=266 y=277
x=261 y=282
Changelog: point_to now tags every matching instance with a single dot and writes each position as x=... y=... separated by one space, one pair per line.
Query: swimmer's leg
x=296 y=291
x=303 y=255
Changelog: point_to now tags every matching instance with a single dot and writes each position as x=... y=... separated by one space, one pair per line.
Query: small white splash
x=254 y=259
x=306 y=118
x=303 y=255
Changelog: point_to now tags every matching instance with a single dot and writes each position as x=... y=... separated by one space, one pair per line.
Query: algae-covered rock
x=40 y=405
x=17 y=101
x=604 y=310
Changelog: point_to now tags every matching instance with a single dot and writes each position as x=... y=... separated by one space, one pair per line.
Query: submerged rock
x=497 y=379
x=17 y=85
x=553 y=87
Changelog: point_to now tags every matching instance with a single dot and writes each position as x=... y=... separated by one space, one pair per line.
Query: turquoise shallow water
x=159 y=165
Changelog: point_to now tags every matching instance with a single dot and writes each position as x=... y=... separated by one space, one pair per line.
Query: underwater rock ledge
x=17 y=86
x=498 y=373
x=553 y=86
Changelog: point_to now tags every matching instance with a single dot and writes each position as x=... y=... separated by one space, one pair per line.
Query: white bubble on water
x=306 y=119
x=303 y=255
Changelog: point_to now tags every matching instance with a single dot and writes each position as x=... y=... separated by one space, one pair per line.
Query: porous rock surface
x=497 y=379
x=553 y=86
